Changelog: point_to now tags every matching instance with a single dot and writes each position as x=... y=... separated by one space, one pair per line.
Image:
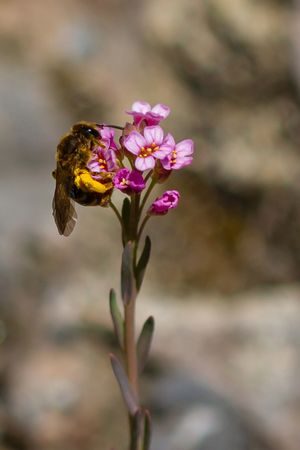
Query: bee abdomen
x=85 y=198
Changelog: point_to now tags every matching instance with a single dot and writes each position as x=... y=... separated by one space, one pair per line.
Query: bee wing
x=72 y=219
x=63 y=207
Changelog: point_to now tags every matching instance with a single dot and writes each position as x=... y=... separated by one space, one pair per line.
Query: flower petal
x=185 y=147
x=136 y=181
x=145 y=163
x=161 y=110
x=166 y=147
x=134 y=142
x=169 y=140
x=166 y=163
x=141 y=107
x=182 y=161
x=164 y=203
x=163 y=152
x=154 y=134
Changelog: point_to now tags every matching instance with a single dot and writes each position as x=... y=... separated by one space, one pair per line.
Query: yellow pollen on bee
x=83 y=180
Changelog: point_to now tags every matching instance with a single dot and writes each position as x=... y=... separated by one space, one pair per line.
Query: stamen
x=173 y=157
x=102 y=163
x=147 y=151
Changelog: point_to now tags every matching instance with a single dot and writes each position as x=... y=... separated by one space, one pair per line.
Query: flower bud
x=161 y=205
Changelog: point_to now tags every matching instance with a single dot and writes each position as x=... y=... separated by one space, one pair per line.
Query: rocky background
x=224 y=280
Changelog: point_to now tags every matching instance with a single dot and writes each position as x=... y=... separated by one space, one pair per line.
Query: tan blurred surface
x=223 y=281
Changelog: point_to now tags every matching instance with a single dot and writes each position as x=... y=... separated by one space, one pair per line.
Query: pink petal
x=134 y=142
x=154 y=134
x=145 y=163
x=141 y=107
x=163 y=151
x=161 y=109
x=169 y=140
x=166 y=163
x=182 y=162
x=107 y=133
x=166 y=147
x=185 y=147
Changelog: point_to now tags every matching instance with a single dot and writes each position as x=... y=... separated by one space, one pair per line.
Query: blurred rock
x=229 y=70
x=247 y=346
x=191 y=416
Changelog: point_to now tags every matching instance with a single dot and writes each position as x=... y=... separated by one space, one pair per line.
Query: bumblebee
x=73 y=180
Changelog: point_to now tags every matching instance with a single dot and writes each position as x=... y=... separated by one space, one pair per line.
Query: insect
x=73 y=152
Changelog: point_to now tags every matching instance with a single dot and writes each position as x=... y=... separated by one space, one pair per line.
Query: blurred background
x=223 y=284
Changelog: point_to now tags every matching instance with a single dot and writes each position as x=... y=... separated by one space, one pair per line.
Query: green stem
x=148 y=192
x=130 y=357
x=114 y=208
x=146 y=218
x=139 y=234
x=148 y=175
x=130 y=345
x=130 y=348
x=134 y=208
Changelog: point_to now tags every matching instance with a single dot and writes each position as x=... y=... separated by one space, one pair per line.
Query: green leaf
x=127 y=278
x=143 y=262
x=144 y=343
x=136 y=429
x=127 y=392
x=126 y=217
x=116 y=317
x=147 y=430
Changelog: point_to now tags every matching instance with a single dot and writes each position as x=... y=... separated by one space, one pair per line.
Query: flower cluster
x=144 y=152
x=91 y=163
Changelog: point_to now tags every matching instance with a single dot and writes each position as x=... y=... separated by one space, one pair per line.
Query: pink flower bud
x=161 y=205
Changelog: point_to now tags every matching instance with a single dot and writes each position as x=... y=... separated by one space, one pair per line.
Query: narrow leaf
x=128 y=395
x=127 y=279
x=116 y=317
x=144 y=343
x=143 y=262
x=126 y=216
x=136 y=429
x=147 y=430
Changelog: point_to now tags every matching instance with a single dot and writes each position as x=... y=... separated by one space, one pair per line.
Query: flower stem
x=146 y=218
x=130 y=345
x=131 y=360
x=114 y=208
x=148 y=192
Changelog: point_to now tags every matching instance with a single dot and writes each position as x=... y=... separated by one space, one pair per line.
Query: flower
x=143 y=111
x=180 y=156
x=107 y=135
x=161 y=205
x=129 y=181
x=149 y=147
x=102 y=160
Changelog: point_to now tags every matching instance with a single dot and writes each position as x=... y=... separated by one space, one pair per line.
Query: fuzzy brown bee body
x=73 y=153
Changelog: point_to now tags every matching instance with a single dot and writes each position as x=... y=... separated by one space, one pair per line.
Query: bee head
x=86 y=129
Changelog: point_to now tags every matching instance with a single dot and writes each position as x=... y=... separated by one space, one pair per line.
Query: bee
x=73 y=153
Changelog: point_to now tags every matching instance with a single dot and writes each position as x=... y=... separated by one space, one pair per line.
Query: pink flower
x=103 y=160
x=107 y=135
x=143 y=111
x=161 y=205
x=129 y=181
x=149 y=147
x=180 y=156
